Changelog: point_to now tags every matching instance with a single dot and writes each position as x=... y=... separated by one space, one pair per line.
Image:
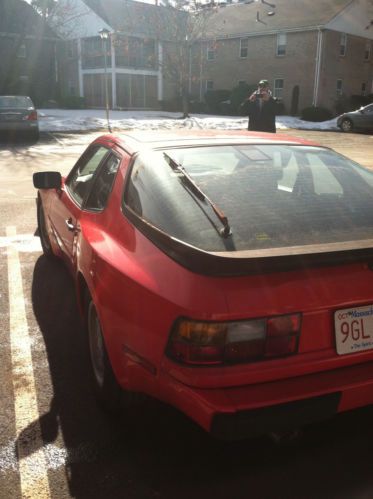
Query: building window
x=211 y=52
x=21 y=52
x=244 y=47
x=281 y=44
x=339 y=87
x=72 y=88
x=367 y=51
x=70 y=49
x=343 y=45
x=278 y=88
x=209 y=85
x=363 y=88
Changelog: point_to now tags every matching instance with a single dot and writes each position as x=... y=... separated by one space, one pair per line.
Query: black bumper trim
x=275 y=418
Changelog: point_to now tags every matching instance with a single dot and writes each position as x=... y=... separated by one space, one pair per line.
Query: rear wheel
x=43 y=231
x=108 y=392
x=346 y=125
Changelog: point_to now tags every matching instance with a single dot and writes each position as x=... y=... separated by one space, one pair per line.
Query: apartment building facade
x=130 y=59
x=311 y=52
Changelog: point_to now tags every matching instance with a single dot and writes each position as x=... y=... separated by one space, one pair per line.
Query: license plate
x=354 y=329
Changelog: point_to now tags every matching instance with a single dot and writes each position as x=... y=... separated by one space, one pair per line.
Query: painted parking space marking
x=32 y=465
x=22 y=243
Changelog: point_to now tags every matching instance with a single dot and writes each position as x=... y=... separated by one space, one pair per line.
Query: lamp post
x=104 y=35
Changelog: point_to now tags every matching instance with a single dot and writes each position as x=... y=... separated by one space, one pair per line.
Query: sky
x=54 y=120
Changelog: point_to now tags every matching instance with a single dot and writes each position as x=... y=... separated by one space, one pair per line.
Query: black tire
x=107 y=391
x=43 y=232
x=34 y=136
x=347 y=125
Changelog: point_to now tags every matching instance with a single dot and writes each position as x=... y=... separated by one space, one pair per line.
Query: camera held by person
x=261 y=108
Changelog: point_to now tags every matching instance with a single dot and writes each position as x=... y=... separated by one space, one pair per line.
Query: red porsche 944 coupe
x=229 y=274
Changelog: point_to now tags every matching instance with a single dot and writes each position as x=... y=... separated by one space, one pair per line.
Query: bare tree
x=63 y=16
x=182 y=30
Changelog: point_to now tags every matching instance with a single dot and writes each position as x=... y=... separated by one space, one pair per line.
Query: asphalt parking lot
x=66 y=447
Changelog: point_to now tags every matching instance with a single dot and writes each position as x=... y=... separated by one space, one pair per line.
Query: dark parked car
x=361 y=119
x=229 y=274
x=18 y=117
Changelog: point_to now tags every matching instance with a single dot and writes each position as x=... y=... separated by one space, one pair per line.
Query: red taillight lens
x=213 y=343
x=282 y=335
x=33 y=116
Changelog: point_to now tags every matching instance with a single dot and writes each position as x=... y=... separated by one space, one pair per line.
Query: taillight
x=32 y=116
x=215 y=343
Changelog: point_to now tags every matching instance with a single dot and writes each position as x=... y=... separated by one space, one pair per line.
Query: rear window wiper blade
x=197 y=191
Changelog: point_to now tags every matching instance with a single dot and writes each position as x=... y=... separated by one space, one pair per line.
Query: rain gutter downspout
x=317 y=67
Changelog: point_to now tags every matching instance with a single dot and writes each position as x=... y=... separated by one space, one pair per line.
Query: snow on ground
x=66 y=120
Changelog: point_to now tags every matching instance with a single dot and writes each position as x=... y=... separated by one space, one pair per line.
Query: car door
x=66 y=208
x=367 y=117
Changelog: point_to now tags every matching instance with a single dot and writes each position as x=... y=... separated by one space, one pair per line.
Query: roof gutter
x=262 y=33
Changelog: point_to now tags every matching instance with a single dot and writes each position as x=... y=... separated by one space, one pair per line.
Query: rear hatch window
x=273 y=196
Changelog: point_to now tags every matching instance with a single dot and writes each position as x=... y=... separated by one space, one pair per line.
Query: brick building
x=311 y=51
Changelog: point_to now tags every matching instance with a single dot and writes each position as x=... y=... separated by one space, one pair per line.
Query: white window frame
x=244 y=48
x=21 y=51
x=281 y=44
x=70 y=49
x=71 y=88
x=339 y=86
x=343 y=45
x=209 y=85
x=211 y=53
x=278 y=90
x=367 y=51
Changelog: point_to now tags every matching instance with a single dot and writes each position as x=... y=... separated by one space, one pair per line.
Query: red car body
x=140 y=292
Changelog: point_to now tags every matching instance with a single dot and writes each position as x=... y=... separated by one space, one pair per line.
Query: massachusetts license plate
x=354 y=329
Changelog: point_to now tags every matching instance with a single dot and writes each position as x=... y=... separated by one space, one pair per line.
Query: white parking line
x=32 y=466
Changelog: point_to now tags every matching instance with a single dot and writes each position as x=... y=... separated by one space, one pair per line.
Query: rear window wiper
x=197 y=191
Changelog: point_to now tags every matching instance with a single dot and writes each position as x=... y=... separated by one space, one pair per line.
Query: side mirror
x=47 y=180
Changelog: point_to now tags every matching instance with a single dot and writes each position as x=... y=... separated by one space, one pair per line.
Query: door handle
x=69 y=224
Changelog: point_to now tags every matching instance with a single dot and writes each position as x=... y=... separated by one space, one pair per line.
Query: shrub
x=171 y=105
x=72 y=102
x=314 y=113
x=197 y=106
x=214 y=98
x=280 y=108
x=239 y=94
x=345 y=104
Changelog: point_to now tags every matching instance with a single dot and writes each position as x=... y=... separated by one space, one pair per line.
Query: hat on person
x=263 y=83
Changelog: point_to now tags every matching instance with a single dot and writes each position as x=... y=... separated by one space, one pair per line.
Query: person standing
x=261 y=109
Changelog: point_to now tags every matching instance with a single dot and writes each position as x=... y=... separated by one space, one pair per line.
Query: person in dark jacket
x=261 y=109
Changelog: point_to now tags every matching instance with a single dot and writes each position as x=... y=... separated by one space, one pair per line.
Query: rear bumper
x=241 y=412
x=20 y=127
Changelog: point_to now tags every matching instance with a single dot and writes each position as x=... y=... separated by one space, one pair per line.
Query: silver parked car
x=18 y=116
x=361 y=119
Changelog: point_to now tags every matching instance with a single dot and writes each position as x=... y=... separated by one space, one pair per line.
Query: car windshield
x=16 y=101
x=274 y=196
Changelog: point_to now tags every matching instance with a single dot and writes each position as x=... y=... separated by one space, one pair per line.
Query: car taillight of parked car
x=217 y=343
x=33 y=116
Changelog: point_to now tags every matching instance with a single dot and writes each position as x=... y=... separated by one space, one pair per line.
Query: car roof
x=137 y=141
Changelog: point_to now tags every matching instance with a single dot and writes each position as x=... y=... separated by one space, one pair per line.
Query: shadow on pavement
x=154 y=452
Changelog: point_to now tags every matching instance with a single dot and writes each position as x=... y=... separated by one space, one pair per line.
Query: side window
x=80 y=181
x=103 y=184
